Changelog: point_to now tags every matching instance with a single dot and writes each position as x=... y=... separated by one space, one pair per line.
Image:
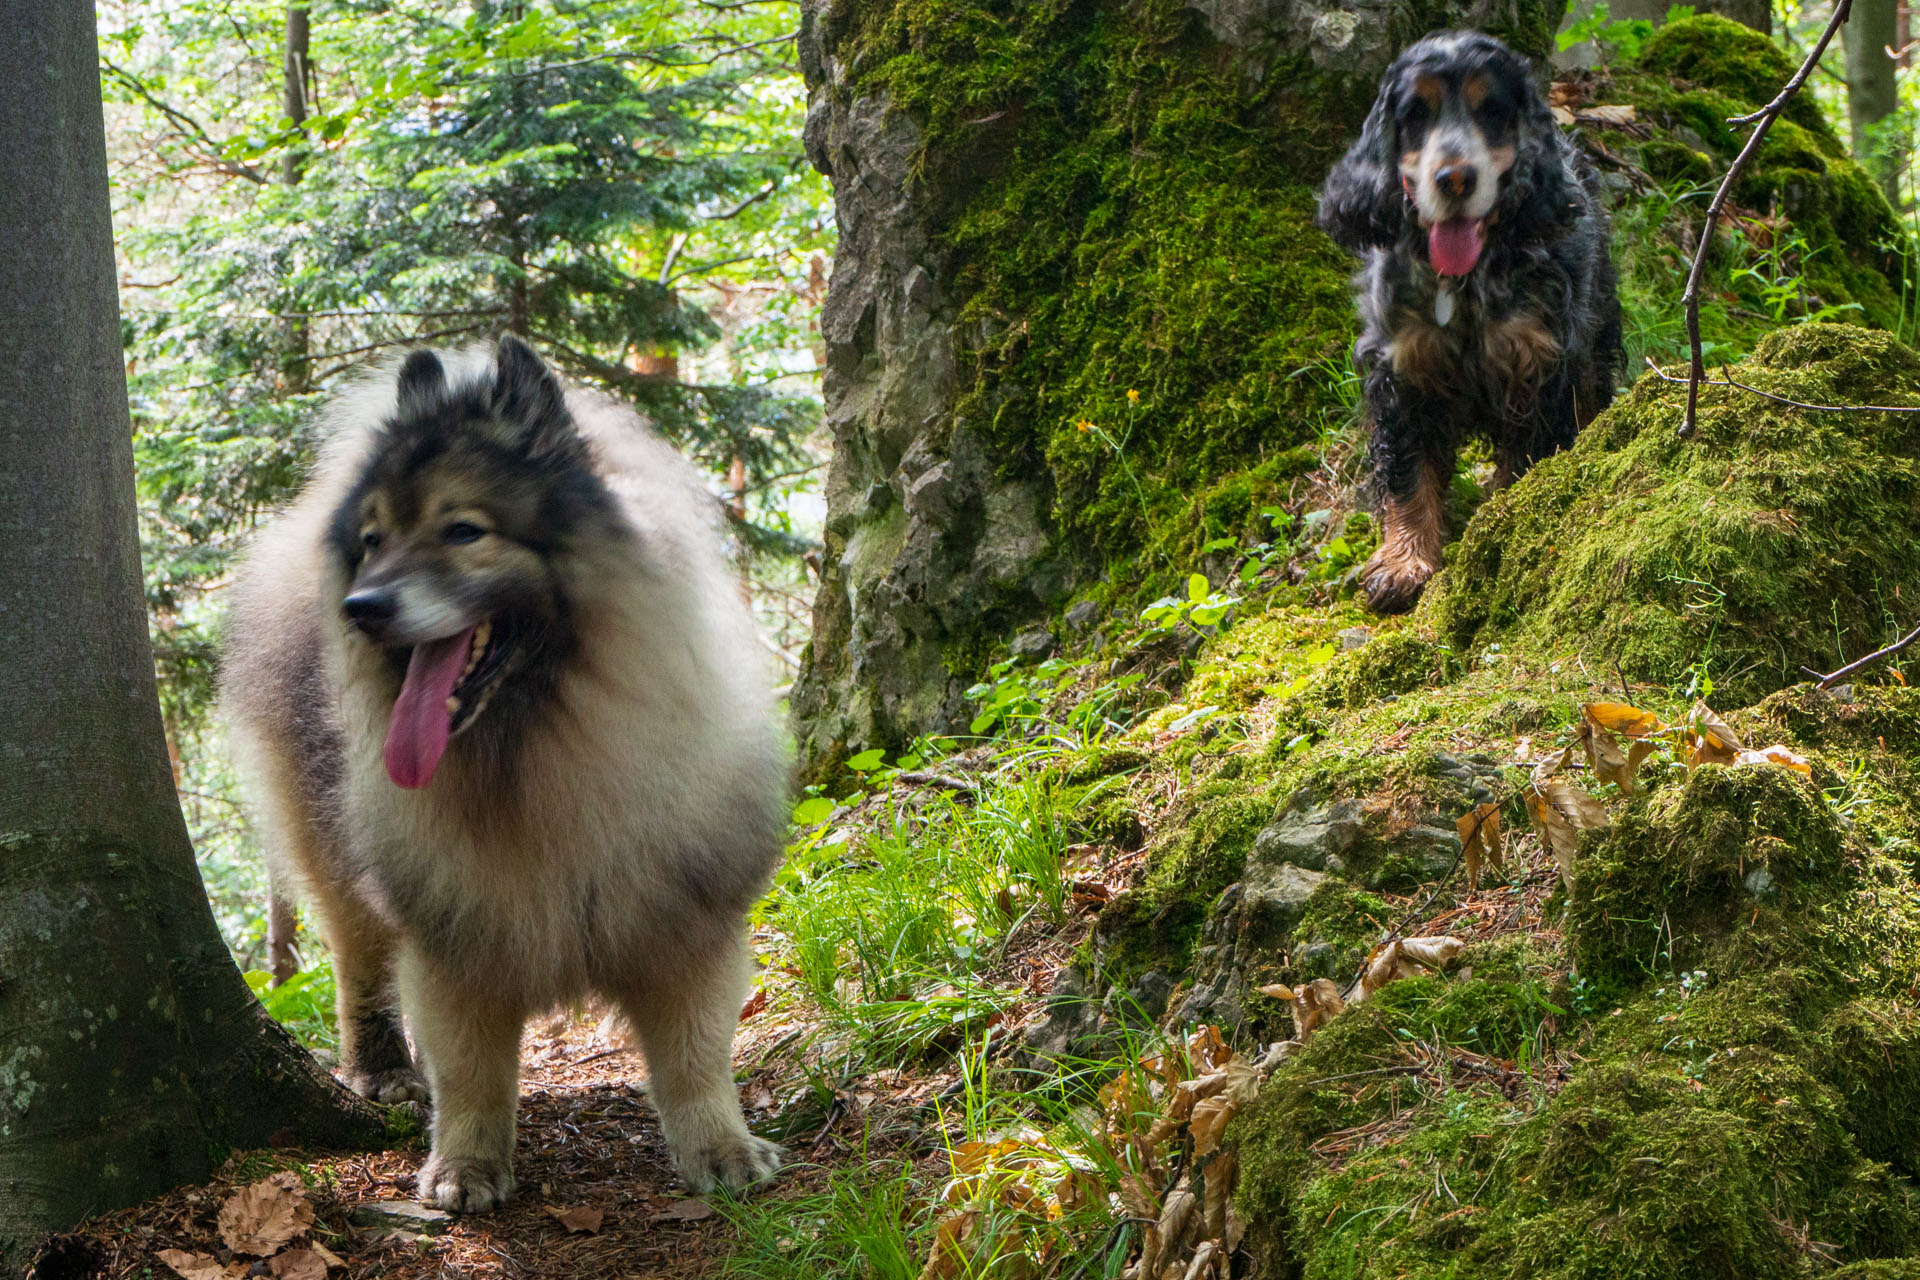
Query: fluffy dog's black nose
x=1457 y=180
x=371 y=610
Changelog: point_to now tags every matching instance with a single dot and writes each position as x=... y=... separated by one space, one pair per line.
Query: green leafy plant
x=1616 y=40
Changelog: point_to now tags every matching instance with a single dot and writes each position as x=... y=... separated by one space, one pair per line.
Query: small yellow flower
x=1133 y=397
x=1084 y=426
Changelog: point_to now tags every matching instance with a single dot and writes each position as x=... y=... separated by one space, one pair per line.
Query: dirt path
x=587 y=1140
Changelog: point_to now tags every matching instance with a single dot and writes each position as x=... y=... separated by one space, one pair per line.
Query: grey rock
x=1037 y=643
x=1308 y=838
x=407 y=1216
x=1273 y=897
x=1353 y=638
x=1759 y=883
x=1083 y=615
x=1068 y=1024
x=930 y=497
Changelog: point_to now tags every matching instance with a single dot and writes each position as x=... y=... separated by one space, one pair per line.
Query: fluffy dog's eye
x=461 y=532
x=370 y=539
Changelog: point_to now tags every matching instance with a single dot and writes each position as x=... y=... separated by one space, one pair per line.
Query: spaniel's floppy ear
x=1539 y=200
x=1362 y=205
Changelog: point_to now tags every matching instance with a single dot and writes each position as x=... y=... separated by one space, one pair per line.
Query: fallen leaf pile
x=1161 y=1125
x=261 y=1219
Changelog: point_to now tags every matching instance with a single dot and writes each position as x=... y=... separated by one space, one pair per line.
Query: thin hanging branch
x=1727 y=380
x=1827 y=682
x=1762 y=120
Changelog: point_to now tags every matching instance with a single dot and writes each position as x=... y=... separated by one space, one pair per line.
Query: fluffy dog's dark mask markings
x=1486 y=298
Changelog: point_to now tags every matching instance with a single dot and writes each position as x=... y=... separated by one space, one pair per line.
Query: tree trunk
x=131 y=1054
x=297 y=373
x=1872 y=92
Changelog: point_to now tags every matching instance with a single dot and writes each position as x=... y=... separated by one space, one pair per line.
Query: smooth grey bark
x=131 y=1053
x=1872 y=91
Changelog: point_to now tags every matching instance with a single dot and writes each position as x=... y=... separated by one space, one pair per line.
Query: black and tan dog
x=1486 y=301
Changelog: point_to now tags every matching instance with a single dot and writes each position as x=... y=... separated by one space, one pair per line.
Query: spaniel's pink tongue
x=1454 y=245
x=417 y=735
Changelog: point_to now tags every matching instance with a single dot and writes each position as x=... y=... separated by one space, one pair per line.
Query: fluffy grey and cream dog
x=504 y=719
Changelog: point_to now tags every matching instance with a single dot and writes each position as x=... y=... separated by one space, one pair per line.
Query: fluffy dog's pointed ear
x=423 y=384
x=1540 y=198
x=1362 y=206
x=528 y=399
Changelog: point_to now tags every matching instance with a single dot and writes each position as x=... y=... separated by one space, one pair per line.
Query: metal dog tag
x=1443 y=306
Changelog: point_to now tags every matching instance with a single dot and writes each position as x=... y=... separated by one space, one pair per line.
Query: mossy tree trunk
x=1873 y=94
x=1080 y=323
x=131 y=1054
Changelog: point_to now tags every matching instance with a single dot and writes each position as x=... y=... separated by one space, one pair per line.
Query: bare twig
x=1727 y=380
x=1762 y=120
x=210 y=147
x=1826 y=682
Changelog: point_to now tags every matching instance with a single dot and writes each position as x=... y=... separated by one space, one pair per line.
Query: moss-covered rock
x=1776 y=538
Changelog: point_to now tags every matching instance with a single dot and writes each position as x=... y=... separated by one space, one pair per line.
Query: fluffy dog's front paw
x=1393 y=581
x=398 y=1084
x=734 y=1162
x=464 y=1184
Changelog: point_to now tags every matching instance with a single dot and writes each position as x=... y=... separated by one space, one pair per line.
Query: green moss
x=1738 y=859
x=1716 y=53
x=1392 y=663
x=1774 y=539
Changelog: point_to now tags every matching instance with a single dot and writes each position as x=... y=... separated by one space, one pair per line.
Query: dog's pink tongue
x=1454 y=245
x=417 y=735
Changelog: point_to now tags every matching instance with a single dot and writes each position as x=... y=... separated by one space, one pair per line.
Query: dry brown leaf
x=1560 y=812
x=1618 y=717
x=298 y=1264
x=690 y=1210
x=1208 y=1122
x=199 y=1266
x=263 y=1215
x=1713 y=742
x=586 y=1219
x=1403 y=958
x=1138 y=1199
x=1220 y=1175
x=1481 y=840
x=1778 y=755
x=1188 y=1092
x=1175 y=1218
x=1636 y=756
x=947 y=1260
x=1562 y=116
x=1608 y=114
x=1605 y=758
x=1314 y=1003
x=1204 y=1257
x=327 y=1255
x=1243 y=1081
x=1209 y=1052
x=1436 y=952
